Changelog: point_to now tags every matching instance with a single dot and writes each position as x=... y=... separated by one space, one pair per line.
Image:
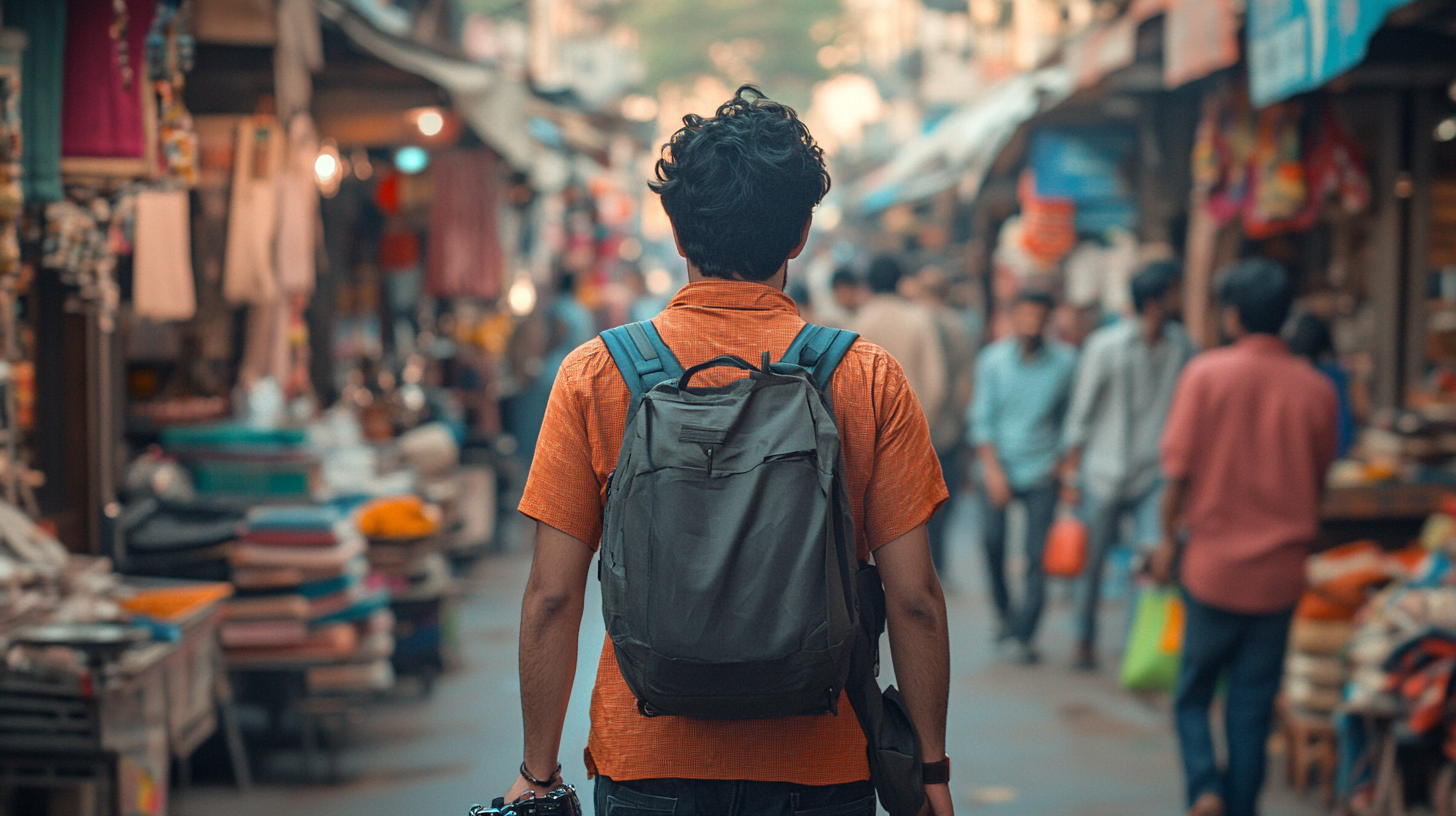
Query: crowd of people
x=1153 y=448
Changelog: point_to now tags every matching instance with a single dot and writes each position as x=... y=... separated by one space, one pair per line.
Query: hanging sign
x=1299 y=45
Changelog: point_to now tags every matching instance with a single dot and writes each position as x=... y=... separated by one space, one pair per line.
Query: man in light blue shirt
x=1023 y=385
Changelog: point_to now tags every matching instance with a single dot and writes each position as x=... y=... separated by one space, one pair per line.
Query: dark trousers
x=1104 y=518
x=708 y=797
x=1041 y=506
x=1250 y=648
x=950 y=469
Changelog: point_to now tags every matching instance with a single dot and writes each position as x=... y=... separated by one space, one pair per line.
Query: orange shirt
x=894 y=484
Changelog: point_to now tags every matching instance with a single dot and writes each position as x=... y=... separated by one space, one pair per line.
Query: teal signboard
x=1299 y=45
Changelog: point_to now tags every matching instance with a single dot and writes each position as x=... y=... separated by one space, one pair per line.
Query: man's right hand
x=1160 y=562
x=998 y=487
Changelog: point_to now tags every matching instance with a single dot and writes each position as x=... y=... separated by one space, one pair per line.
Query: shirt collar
x=718 y=293
x=1262 y=344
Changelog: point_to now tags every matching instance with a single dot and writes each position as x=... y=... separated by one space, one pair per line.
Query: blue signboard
x=1088 y=165
x=1299 y=45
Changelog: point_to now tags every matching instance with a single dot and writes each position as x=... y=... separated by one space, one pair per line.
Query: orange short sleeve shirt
x=894 y=483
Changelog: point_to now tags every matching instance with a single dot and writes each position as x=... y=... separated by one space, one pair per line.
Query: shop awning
x=1299 y=45
x=961 y=148
x=491 y=103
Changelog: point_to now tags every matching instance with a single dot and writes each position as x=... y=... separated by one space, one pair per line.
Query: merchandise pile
x=305 y=597
x=408 y=550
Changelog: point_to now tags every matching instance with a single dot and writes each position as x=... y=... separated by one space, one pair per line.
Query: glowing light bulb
x=430 y=122
x=522 y=296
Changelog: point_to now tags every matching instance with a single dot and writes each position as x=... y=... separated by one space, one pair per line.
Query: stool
x=1310 y=742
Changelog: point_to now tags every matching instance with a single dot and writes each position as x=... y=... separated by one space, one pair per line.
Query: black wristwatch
x=550 y=780
x=936 y=773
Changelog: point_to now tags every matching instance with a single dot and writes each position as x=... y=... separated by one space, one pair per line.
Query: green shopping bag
x=1155 y=644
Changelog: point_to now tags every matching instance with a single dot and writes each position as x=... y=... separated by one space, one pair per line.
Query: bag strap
x=642 y=358
x=821 y=350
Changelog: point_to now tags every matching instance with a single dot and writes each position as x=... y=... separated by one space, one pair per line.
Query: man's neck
x=1029 y=346
x=777 y=282
x=1151 y=328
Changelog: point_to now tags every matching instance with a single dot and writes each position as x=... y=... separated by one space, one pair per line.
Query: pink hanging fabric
x=101 y=112
x=464 y=252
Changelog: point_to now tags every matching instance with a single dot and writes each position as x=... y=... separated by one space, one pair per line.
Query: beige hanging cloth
x=162 y=287
x=298 y=208
x=249 y=275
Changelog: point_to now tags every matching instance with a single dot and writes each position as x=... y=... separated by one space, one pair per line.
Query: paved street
x=1026 y=741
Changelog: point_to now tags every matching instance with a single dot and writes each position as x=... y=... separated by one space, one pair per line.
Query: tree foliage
x=765 y=41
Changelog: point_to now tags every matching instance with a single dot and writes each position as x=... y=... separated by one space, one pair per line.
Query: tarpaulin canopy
x=961 y=148
x=1299 y=45
x=491 y=103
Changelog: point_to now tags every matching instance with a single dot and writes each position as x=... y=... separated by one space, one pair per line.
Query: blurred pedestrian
x=849 y=291
x=1311 y=339
x=739 y=189
x=1250 y=434
x=1124 y=385
x=906 y=330
x=644 y=305
x=948 y=420
x=1023 y=385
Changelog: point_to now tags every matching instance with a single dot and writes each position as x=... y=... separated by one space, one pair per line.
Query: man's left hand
x=937 y=801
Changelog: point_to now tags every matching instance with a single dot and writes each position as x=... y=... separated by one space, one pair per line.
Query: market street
x=1039 y=741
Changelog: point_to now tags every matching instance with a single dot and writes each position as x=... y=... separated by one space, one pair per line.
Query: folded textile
x=398 y=517
x=255 y=555
x=294 y=518
x=290 y=538
x=359 y=610
x=267 y=578
x=377 y=675
x=323 y=643
x=262 y=633
x=267 y=607
x=335 y=602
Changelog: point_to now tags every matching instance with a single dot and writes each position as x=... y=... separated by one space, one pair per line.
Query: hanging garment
x=464 y=252
x=298 y=208
x=42 y=67
x=101 y=105
x=299 y=54
x=162 y=287
x=265 y=344
x=249 y=275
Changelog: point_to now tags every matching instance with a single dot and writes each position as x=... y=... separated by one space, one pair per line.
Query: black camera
x=559 y=802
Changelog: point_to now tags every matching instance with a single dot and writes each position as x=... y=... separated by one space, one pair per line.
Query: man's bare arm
x=1161 y=560
x=919 y=639
x=550 y=626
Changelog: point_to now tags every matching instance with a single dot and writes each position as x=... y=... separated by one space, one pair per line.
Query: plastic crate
x=241 y=477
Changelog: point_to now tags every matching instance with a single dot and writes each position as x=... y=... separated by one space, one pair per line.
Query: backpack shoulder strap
x=820 y=349
x=641 y=356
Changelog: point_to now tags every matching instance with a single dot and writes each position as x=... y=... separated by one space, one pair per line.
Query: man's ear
x=676 y=240
x=803 y=238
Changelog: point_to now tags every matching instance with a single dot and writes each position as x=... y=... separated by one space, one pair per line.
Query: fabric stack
x=1341 y=581
x=305 y=595
x=407 y=550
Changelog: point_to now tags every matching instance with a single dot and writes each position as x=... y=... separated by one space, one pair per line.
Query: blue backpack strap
x=641 y=356
x=820 y=350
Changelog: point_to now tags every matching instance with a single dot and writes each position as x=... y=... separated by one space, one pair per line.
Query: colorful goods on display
x=1276 y=169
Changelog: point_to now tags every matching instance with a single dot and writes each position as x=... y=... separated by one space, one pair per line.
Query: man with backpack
x=733 y=515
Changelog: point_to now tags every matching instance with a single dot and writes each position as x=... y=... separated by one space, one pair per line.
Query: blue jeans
x=1251 y=649
x=950 y=468
x=1104 y=521
x=709 y=797
x=1041 y=506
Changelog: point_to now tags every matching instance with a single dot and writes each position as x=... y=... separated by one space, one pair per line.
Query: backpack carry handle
x=725 y=361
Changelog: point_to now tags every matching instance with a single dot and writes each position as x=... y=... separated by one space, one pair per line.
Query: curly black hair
x=740 y=187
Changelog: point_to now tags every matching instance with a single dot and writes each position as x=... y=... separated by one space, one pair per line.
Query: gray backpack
x=728 y=557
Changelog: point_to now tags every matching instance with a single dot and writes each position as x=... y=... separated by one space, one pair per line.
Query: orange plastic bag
x=1066 y=548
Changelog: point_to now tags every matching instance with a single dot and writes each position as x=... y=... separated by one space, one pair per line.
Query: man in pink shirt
x=1250 y=434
